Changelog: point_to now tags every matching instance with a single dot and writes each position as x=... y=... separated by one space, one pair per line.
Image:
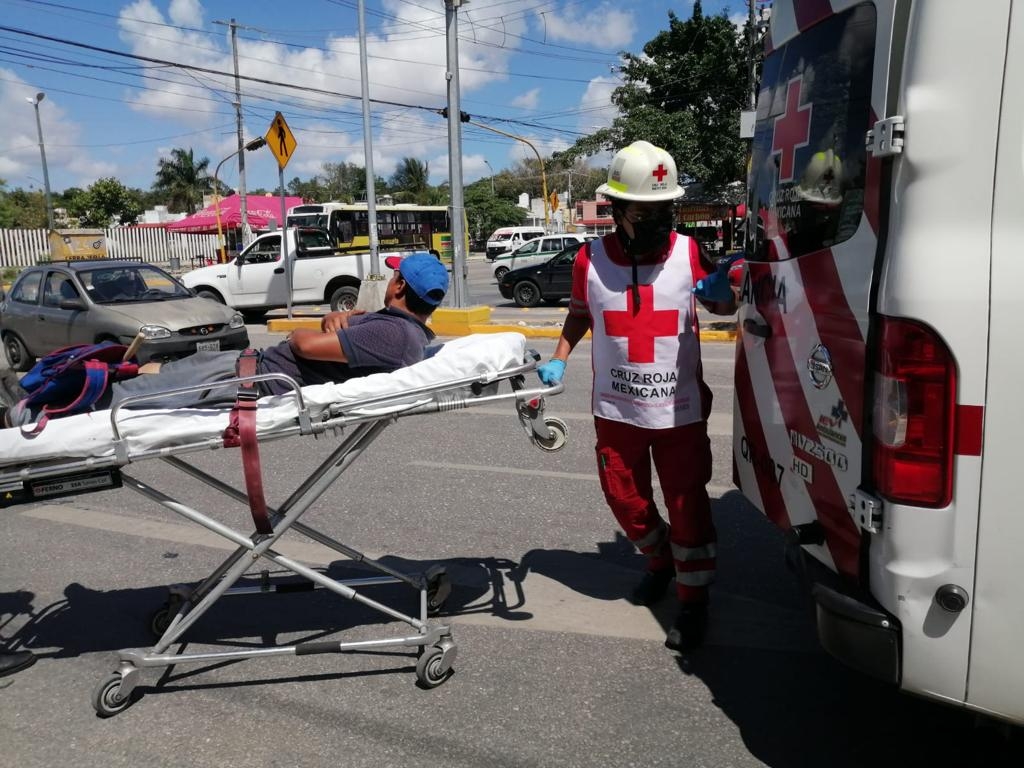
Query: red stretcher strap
x=241 y=431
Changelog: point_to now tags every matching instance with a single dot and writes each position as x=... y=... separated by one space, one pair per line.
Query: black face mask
x=649 y=235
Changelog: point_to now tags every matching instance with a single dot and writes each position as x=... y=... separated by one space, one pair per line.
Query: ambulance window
x=807 y=167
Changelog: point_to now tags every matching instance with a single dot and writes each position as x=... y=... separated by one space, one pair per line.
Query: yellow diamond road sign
x=280 y=140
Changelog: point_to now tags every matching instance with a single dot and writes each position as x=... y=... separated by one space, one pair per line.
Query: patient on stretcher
x=348 y=344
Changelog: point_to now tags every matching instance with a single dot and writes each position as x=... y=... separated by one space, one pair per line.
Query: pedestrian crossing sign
x=280 y=140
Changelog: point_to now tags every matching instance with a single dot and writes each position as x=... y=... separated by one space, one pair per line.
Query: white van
x=878 y=364
x=533 y=252
x=506 y=239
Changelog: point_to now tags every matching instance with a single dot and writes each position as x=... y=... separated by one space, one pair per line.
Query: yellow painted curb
x=284 y=325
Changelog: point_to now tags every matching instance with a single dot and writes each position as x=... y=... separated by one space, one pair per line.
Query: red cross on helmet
x=642 y=172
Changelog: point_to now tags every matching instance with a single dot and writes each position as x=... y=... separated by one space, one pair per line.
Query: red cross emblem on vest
x=643 y=327
x=660 y=172
x=792 y=129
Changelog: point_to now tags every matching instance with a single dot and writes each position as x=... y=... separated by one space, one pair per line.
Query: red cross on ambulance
x=643 y=327
x=792 y=130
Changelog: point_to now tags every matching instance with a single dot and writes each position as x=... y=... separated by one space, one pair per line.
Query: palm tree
x=411 y=180
x=182 y=180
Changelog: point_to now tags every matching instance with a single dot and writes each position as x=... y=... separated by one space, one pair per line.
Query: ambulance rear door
x=996 y=678
x=812 y=237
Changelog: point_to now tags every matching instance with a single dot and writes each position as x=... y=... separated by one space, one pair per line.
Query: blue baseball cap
x=424 y=273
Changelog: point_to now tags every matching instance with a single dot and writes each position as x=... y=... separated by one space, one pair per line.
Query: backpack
x=71 y=380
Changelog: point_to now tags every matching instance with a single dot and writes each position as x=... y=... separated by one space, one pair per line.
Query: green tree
x=312 y=190
x=684 y=93
x=411 y=181
x=182 y=181
x=343 y=182
x=486 y=212
x=22 y=209
x=106 y=201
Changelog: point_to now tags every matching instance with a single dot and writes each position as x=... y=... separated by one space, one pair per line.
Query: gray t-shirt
x=373 y=343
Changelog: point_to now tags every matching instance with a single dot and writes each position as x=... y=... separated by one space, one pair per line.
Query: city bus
x=398 y=226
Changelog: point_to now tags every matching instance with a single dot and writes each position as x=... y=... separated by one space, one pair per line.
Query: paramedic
x=635 y=289
x=349 y=344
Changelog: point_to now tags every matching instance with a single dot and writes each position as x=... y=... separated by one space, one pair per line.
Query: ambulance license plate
x=208 y=346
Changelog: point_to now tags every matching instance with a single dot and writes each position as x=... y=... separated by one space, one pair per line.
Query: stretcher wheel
x=559 y=433
x=430 y=669
x=439 y=587
x=107 y=699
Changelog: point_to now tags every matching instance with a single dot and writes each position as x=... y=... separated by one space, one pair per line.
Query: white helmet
x=642 y=172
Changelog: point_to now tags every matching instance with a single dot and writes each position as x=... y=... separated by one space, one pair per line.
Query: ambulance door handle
x=754 y=328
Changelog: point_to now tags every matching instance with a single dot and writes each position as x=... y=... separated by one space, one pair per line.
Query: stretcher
x=89 y=452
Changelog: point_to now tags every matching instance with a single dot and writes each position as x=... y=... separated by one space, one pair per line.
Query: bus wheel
x=344 y=298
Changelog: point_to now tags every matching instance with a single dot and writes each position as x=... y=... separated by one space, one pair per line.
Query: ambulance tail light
x=914 y=410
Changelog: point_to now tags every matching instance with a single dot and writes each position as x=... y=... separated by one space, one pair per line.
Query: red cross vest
x=646 y=361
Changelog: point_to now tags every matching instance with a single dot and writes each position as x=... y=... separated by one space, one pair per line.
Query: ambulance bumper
x=860 y=635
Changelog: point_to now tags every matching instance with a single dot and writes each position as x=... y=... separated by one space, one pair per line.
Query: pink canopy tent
x=259 y=208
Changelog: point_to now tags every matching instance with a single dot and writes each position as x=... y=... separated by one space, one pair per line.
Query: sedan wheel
x=526 y=294
x=18 y=357
x=500 y=272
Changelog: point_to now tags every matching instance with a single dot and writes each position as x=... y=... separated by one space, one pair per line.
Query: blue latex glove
x=715 y=287
x=551 y=372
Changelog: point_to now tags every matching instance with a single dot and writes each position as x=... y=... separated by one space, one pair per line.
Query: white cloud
x=528 y=100
x=20 y=162
x=600 y=26
x=596 y=108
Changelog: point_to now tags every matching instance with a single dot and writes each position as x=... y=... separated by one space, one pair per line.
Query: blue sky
x=541 y=70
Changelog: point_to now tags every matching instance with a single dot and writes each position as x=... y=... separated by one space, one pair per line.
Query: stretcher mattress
x=91 y=435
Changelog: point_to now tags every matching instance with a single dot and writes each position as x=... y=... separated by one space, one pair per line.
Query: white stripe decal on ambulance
x=757 y=455
x=841 y=535
x=837 y=328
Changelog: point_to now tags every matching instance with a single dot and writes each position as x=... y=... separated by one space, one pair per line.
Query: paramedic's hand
x=551 y=372
x=715 y=287
x=338 y=321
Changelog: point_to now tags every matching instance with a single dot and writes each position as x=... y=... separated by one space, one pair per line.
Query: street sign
x=280 y=140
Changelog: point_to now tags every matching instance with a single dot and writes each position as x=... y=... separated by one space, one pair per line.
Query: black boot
x=652 y=586
x=688 y=631
x=15 y=661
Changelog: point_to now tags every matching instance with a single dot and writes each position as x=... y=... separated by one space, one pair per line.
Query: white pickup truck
x=256 y=280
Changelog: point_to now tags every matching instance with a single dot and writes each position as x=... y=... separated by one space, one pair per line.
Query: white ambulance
x=879 y=361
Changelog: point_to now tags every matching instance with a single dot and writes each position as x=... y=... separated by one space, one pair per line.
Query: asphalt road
x=554 y=667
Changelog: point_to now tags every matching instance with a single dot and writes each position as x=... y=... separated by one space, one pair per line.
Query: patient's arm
x=317 y=345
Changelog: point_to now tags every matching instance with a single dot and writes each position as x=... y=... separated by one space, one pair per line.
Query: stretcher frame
x=186 y=605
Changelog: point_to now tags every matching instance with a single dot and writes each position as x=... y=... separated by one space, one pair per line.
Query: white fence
x=24 y=247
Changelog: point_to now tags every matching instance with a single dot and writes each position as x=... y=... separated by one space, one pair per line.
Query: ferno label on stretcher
x=56 y=487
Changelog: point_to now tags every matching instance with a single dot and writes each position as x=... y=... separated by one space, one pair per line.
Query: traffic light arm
x=543 y=175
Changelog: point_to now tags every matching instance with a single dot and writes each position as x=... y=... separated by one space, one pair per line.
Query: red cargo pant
x=682 y=456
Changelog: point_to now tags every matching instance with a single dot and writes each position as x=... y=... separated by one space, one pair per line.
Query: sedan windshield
x=131 y=283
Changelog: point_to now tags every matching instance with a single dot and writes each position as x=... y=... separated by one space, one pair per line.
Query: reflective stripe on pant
x=682 y=456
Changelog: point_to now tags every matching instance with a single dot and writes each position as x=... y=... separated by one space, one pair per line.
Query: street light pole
x=492 y=176
x=42 y=154
x=252 y=145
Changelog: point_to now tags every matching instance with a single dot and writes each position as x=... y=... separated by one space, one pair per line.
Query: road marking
x=715 y=491
x=719 y=425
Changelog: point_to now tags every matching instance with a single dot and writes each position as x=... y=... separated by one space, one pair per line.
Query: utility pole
x=458 y=211
x=240 y=129
x=372 y=290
